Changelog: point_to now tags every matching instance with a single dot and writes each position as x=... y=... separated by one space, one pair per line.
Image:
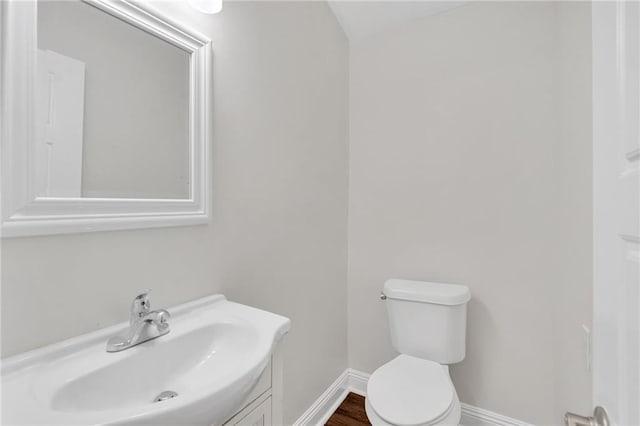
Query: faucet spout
x=140 y=306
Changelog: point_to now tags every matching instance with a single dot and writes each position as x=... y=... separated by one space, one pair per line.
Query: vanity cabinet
x=263 y=406
x=258 y=415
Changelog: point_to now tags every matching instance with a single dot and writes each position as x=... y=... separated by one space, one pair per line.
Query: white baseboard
x=474 y=416
x=327 y=404
x=356 y=381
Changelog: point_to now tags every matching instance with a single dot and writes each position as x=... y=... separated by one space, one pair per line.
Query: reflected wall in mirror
x=112 y=107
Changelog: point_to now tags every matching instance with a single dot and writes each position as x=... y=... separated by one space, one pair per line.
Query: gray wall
x=572 y=296
x=136 y=111
x=470 y=156
x=277 y=239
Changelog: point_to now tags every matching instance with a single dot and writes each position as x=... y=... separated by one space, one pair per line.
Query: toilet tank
x=428 y=320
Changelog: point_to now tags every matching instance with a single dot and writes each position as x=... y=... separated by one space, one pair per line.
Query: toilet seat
x=410 y=391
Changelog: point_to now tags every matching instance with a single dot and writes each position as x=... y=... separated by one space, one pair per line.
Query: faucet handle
x=163 y=316
x=140 y=306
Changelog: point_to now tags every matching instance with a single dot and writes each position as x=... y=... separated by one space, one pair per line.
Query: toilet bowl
x=427 y=322
x=410 y=391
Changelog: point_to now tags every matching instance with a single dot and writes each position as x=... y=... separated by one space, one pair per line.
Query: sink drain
x=165 y=395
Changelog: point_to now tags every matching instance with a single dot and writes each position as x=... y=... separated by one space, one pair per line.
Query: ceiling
x=363 y=18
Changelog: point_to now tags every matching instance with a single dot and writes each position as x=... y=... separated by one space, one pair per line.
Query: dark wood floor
x=350 y=412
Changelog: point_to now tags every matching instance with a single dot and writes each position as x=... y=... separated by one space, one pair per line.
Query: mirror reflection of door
x=60 y=117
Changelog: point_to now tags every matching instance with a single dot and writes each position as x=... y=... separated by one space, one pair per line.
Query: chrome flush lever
x=383 y=296
x=599 y=418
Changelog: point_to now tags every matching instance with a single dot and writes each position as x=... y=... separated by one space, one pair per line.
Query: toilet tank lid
x=423 y=291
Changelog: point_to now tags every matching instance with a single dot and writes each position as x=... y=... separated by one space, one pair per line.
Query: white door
x=60 y=119
x=616 y=159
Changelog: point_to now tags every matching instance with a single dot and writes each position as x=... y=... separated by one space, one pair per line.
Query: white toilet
x=428 y=323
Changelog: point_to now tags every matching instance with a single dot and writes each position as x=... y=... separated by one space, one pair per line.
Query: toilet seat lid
x=410 y=391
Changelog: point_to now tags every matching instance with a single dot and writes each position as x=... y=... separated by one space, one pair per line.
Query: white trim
x=356 y=381
x=322 y=408
x=24 y=213
x=474 y=416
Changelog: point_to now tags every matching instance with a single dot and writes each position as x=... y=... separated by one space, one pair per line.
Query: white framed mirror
x=104 y=118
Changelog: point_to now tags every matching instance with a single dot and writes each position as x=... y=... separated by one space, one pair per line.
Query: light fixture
x=206 y=6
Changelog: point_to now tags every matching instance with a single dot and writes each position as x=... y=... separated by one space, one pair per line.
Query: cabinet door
x=259 y=416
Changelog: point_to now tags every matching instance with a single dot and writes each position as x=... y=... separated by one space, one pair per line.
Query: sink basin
x=211 y=360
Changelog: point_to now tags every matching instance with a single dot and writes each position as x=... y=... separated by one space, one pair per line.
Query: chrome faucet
x=144 y=324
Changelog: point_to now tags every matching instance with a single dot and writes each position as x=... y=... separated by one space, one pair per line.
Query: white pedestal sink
x=213 y=357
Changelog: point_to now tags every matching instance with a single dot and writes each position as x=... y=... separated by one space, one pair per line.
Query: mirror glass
x=112 y=108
